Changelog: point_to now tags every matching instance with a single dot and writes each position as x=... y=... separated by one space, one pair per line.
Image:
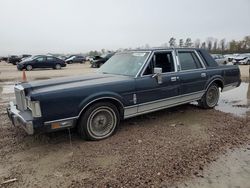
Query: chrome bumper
x=23 y=118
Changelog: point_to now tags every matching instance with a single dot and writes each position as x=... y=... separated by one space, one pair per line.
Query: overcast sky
x=73 y=26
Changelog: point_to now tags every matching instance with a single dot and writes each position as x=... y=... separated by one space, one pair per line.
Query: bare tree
x=188 y=42
x=181 y=42
x=215 y=47
x=197 y=43
x=172 y=42
x=203 y=45
x=209 y=43
x=223 y=44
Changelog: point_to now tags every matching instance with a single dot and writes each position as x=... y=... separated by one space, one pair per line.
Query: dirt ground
x=183 y=146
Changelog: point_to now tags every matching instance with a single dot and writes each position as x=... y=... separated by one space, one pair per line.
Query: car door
x=40 y=62
x=50 y=62
x=192 y=74
x=152 y=95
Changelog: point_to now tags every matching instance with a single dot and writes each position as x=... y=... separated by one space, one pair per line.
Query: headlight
x=34 y=106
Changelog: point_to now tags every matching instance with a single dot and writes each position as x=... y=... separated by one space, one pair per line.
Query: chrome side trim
x=161 y=104
x=59 y=120
x=135 y=110
x=130 y=110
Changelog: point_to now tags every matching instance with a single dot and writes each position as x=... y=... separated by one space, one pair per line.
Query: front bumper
x=22 y=118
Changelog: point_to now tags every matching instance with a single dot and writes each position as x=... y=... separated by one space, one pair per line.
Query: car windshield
x=125 y=63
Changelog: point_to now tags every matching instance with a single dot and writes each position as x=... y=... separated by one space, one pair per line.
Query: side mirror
x=158 y=74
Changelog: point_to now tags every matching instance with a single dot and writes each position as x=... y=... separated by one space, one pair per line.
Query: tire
x=29 y=67
x=99 y=121
x=101 y=64
x=211 y=97
x=58 y=66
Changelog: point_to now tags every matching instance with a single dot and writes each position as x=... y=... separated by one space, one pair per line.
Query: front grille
x=20 y=98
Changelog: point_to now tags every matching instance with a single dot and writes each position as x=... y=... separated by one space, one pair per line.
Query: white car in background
x=242 y=59
x=220 y=59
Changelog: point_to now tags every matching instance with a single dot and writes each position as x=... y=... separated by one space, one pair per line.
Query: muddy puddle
x=236 y=101
x=229 y=170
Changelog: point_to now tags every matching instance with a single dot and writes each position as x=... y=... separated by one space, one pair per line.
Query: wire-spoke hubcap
x=212 y=96
x=101 y=122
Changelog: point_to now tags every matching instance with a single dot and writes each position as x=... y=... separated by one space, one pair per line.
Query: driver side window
x=40 y=59
x=162 y=60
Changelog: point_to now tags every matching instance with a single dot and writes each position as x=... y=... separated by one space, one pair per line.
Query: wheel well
x=219 y=83
x=110 y=100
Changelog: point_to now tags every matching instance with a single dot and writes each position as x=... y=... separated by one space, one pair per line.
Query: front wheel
x=211 y=97
x=29 y=67
x=99 y=121
x=58 y=66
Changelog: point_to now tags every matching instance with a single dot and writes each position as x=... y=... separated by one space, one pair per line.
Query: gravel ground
x=162 y=149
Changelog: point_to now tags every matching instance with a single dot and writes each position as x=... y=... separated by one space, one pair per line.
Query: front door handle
x=203 y=74
x=174 y=78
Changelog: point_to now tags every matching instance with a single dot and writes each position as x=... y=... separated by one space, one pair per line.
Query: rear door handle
x=203 y=74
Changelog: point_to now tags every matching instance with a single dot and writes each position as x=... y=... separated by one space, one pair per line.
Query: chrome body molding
x=135 y=110
x=61 y=120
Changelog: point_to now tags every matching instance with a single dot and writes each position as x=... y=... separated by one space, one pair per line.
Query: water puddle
x=230 y=170
x=236 y=101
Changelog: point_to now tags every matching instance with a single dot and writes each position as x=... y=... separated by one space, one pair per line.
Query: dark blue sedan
x=41 y=61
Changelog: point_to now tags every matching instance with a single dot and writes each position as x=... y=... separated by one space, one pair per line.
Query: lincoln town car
x=129 y=84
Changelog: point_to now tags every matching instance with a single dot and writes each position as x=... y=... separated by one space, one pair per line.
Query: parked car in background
x=14 y=59
x=24 y=56
x=4 y=59
x=100 y=60
x=129 y=84
x=219 y=58
x=241 y=59
x=89 y=58
x=62 y=57
x=41 y=61
x=75 y=59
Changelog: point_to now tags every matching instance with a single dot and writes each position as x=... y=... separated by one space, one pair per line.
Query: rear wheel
x=211 y=97
x=29 y=67
x=99 y=121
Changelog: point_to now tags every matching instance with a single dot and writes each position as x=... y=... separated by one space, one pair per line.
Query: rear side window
x=50 y=58
x=189 y=60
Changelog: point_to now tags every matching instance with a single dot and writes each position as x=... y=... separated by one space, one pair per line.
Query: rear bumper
x=24 y=119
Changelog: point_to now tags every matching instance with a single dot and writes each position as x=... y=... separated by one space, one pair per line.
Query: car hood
x=57 y=84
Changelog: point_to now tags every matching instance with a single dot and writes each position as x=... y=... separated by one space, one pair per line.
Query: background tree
x=223 y=44
x=215 y=46
x=181 y=42
x=209 y=43
x=172 y=42
x=197 y=43
x=203 y=45
x=233 y=46
x=188 y=42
